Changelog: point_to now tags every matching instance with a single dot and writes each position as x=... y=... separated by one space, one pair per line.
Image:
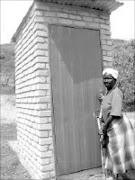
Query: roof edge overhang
x=111 y=6
x=13 y=39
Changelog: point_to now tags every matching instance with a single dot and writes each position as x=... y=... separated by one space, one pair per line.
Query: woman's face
x=109 y=81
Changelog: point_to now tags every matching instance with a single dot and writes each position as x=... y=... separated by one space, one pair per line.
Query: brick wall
x=33 y=90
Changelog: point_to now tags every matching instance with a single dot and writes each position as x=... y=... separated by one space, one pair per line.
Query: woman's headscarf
x=111 y=71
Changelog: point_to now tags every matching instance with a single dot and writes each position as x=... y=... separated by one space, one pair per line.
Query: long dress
x=120 y=154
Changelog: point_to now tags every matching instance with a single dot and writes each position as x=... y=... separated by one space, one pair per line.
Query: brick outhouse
x=61 y=48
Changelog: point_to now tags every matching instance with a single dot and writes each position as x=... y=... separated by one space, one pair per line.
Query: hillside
x=7 y=68
x=123 y=54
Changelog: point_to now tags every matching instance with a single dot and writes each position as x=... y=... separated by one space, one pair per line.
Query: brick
x=47 y=66
x=41 y=59
x=41 y=107
x=83 y=13
x=39 y=26
x=105 y=64
x=63 y=15
x=36 y=139
x=106 y=17
x=39 y=40
x=97 y=20
x=89 y=19
x=56 y=8
x=65 y=21
x=110 y=64
x=51 y=147
x=70 y=11
x=43 y=134
x=103 y=21
x=44 y=113
x=43 y=161
x=107 y=22
x=71 y=16
x=34 y=112
x=48 y=80
x=106 y=47
x=46 y=53
x=34 y=156
x=49 y=106
x=44 y=154
x=38 y=13
x=52 y=174
x=52 y=160
x=39 y=80
x=93 y=25
x=48 y=167
x=106 y=58
x=45 y=175
x=104 y=53
x=109 y=53
x=109 y=42
x=44 y=99
x=32 y=131
x=79 y=23
x=51 y=19
x=93 y=14
x=40 y=33
x=52 y=14
x=39 y=54
x=50 y=133
x=42 y=73
x=43 y=86
x=45 y=141
x=105 y=32
x=39 y=93
x=39 y=19
x=41 y=46
x=39 y=66
x=45 y=126
x=35 y=163
x=42 y=148
x=41 y=120
x=104 y=26
x=103 y=41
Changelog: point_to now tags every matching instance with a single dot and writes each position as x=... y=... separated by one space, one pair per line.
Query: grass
x=10 y=167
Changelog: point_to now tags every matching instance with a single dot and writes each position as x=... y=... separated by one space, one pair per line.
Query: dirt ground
x=10 y=167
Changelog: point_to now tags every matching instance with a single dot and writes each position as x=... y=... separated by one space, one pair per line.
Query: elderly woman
x=120 y=133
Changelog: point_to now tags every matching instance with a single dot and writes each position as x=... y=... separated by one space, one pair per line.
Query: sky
x=13 y=11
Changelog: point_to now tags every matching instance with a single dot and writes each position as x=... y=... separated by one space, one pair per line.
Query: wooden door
x=75 y=56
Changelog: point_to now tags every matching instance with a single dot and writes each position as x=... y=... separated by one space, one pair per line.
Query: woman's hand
x=100 y=96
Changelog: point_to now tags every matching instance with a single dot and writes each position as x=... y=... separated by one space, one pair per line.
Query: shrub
x=124 y=62
x=7 y=74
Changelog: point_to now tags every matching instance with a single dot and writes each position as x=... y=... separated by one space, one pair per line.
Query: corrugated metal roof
x=103 y=5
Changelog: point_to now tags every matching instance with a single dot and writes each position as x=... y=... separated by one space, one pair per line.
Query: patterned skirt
x=120 y=155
